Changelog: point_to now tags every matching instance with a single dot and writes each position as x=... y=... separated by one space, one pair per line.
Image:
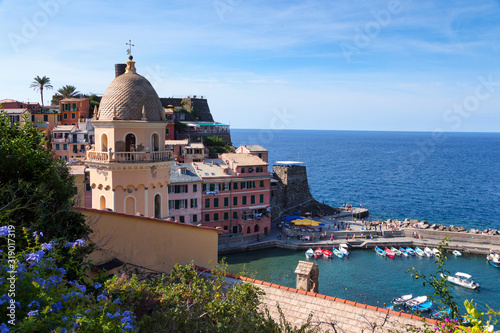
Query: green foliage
x=35 y=190
x=216 y=145
x=44 y=299
x=438 y=280
x=93 y=102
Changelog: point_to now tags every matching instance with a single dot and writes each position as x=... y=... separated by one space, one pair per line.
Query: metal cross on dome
x=129 y=50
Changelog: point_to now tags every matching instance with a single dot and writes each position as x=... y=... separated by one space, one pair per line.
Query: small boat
x=318 y=253
x=436 y=252
x=327 y=253
x=428 y=252
x=390 y=307
x=380 y=251
x=344 y=249
x=410 y=251
x=402 y=299
x=389 y=253
x=441 y=314
x=415 y=301
x=396 y=251
x=337 y=253
x=494 y=259
x=403 y=251
x=457 y=253
x=422 y=307
x=463 y=280
x=419 y=252
x=310 y=253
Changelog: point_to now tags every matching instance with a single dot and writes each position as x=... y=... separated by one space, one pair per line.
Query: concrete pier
x=366 y=239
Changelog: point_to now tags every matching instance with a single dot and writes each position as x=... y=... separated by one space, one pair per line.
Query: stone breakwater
x=416 y=224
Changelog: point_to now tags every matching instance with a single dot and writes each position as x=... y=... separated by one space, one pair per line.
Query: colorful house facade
x=74 y=109
x=236 y=193
x=184 y=194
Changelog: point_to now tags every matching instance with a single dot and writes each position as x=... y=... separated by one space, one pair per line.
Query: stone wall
x=295 y=185
x=464 y=237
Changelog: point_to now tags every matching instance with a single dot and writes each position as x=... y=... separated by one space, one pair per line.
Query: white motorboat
x=419 y=252
x=494 y=259
x=416 y=301
x=463 y=280
x=402 y=299
x=396 y=251
x=344 y=249
x=457 y=253
x=436 y=252
x=310 y=253
x=428 y=252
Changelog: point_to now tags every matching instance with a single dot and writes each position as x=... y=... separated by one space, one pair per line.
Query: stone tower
x=129 y=165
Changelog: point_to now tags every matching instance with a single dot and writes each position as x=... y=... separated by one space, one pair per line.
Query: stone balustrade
x=129 y=157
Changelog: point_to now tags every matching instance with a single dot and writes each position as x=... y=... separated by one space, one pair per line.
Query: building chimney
x=119 y=69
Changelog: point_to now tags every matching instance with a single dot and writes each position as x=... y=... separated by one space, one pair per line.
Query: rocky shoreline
x=407 y=223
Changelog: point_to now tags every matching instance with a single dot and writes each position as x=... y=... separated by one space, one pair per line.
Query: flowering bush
x=44 y=300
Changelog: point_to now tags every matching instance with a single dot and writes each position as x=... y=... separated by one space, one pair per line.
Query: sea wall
x=464 y=237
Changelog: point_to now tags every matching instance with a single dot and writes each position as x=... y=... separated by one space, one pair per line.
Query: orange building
x=73 y=109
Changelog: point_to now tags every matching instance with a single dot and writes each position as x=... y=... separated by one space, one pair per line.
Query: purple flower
x=97 y=285
x=101 y=297
x=33 y=258
x=4 y=231
x=47 y=246
x=33 y=313
x=36 y=235
x=57 y=306
x=34 y=303
x=79 y=242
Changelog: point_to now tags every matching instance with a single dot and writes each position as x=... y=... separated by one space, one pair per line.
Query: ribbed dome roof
x=127 y=94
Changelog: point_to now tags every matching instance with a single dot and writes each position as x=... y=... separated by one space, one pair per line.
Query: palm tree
x=40 y=83
x=68 y=91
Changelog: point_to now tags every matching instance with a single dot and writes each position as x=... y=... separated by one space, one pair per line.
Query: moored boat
x=403 y=251
x=310 y=253
x=463 y=280
x=410 y=251
x=327 y=253
x=494 y=259
x=457 y=253
x=337 y=253
x=428 y=252
x=318 y=253
x=380 y=251
x=419 y=252
x=441 y=314
x=436 y=252
x=415 y=301
x=422 y=307
x=344 y=249
x=389 y=253
x=402 y=299
x=396 y=251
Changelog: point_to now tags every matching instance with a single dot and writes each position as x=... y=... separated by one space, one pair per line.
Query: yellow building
x=129 y=164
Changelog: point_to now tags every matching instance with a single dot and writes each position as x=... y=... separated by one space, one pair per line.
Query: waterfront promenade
x=363 y=238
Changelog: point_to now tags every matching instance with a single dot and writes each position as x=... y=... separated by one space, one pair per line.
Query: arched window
x=130 y=205
x=102 y=203
x=155 y=142
x=104 y=143
x=130 y=142
x=256 y=229
x=158 y=206
x=249 y=230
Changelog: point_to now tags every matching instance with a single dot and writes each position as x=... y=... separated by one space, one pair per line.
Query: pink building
x=255 y=150
x=236 y=193
x=184 y=194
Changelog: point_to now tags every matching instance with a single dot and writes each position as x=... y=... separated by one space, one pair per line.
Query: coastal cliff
x=291 y=193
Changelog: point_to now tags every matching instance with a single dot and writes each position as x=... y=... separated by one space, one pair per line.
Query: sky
x=392 y=65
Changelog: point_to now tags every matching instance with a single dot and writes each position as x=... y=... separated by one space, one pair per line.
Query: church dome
x=127 y=96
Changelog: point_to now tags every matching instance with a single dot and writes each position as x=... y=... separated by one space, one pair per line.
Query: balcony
x=60 y=140
x=129 y=157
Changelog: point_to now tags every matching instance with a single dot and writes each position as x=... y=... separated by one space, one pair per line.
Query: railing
x=60 y=140
x=129 y=157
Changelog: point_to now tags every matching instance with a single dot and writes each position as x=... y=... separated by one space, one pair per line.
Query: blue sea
x=451 y=179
